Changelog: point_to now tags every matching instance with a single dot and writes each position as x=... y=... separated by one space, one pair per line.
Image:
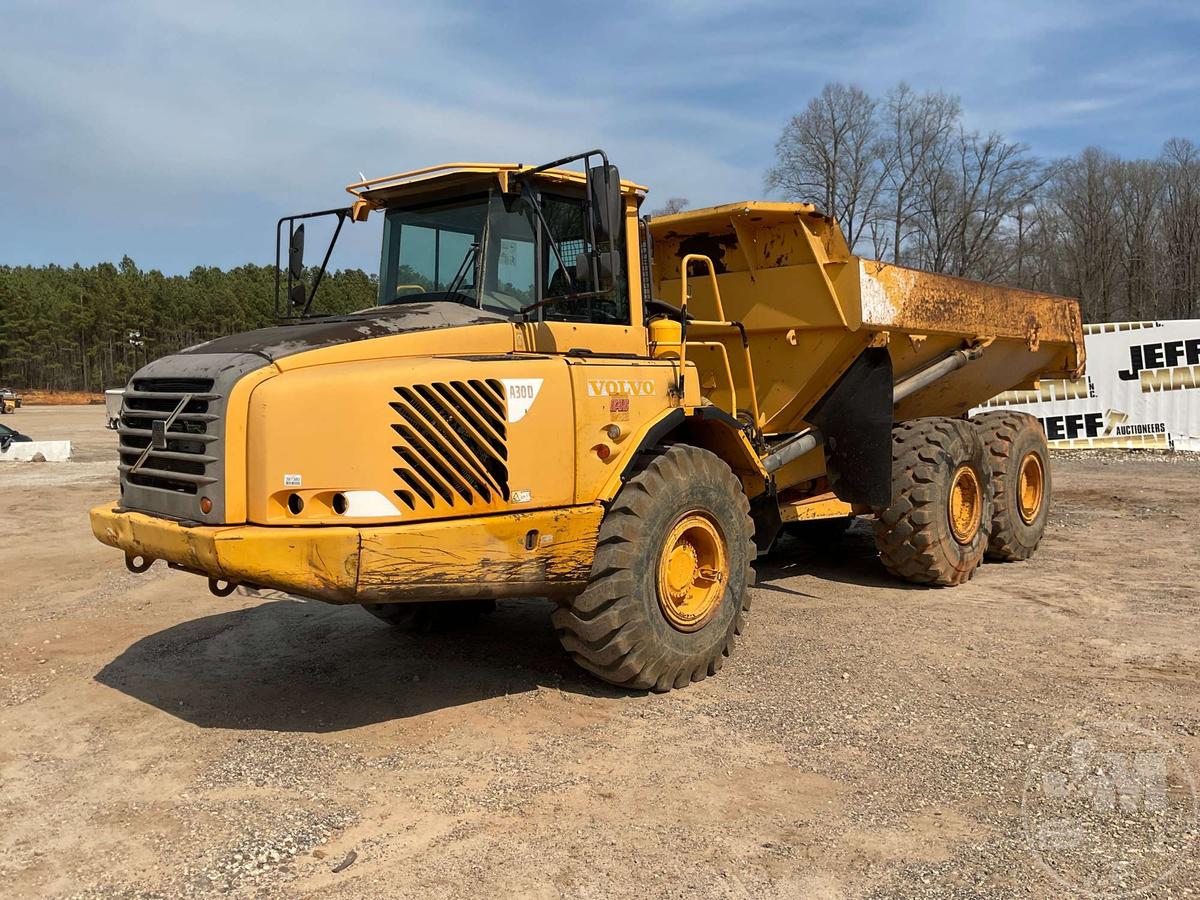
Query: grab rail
x=719 y=322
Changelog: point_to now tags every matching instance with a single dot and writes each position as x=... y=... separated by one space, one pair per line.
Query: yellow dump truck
x=555 y=397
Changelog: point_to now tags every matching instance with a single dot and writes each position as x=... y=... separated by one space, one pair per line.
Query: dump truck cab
x=554 y=397
x=504 y=377
x=530 y=248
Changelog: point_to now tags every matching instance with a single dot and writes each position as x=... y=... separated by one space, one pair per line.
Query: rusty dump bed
x=810 y=307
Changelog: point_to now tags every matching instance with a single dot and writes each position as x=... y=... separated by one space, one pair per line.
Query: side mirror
x=297 y=295
x=583 y=269
x=296 y=252
x=606 y=202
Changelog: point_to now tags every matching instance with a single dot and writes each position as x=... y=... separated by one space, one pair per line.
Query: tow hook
x=137 y=564
x=221 y=588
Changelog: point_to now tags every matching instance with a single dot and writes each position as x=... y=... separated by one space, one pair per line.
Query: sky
x=178 y=132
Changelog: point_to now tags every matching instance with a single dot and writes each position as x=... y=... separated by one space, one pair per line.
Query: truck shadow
x=851 y=560
x=308 y=667
x=294 y=666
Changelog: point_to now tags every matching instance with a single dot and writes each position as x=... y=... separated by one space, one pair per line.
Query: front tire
x=1017 y=453
x=935 y=531
x=668 y=594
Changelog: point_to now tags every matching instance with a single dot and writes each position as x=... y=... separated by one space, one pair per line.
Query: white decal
x=620 y=386
x=521 y=394
x=368 y=504
x=291 y=481
x=521 y=496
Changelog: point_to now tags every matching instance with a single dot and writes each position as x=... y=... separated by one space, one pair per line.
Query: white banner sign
x=1141 y=390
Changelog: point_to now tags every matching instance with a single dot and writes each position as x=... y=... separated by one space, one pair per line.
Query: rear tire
x=442 y=615
x=668 y=594
x=935 y=531
x=1020 y=468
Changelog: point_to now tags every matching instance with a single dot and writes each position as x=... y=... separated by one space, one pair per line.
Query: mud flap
x=764 y=512
x=855 y=416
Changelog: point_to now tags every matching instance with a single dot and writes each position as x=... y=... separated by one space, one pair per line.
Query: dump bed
x=810 y=307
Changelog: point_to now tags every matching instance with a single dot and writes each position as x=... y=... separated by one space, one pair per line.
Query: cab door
x=603 y=326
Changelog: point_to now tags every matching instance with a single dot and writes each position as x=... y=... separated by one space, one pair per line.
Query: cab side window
x=567 y=221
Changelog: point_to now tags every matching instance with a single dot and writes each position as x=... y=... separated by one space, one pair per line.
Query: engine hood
x=279 y=341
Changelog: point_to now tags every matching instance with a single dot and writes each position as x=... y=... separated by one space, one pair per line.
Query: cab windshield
x=486 y=251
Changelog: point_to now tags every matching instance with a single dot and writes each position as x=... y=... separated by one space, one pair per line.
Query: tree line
x=911 y=184
x=90 y=328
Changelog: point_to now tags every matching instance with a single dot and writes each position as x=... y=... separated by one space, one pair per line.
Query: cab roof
x=457 y=176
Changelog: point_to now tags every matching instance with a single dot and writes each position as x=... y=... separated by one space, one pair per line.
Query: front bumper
x=546 y=552
x=314 y=562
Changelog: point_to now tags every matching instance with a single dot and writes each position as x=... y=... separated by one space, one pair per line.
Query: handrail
x=728 y=369
x=724 y=354
x=712 y=277
x=719 y=322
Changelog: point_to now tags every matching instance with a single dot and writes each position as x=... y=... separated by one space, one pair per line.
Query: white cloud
x=151 y=115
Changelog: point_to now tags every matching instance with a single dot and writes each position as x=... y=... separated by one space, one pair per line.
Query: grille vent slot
x=453 y=450
x=183 y=465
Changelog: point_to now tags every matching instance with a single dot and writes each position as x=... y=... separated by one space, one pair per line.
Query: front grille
x=453 y=444
x=183 y=466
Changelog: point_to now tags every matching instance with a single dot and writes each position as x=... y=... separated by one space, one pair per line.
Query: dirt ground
x=867 y=738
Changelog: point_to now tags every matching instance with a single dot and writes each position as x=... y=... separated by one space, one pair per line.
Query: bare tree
x=968 y=189
x=1180 y=227
x=904 y=178
x=1139 y=188
x=671 y=206
x=914 y=126
x=830 y=155
x=1083 y=196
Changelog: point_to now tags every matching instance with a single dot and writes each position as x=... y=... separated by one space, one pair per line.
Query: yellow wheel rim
x=965 y=504
x=693 y=570
x=1031 y=487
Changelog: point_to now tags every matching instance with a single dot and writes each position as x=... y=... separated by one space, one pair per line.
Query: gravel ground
x=1034 y=733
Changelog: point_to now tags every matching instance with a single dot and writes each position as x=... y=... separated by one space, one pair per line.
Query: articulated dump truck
x=554 y=397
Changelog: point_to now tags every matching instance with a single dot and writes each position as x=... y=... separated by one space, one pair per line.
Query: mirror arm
x=342 y=213
x=278 y=231
x=567 y=159
x=341 y=219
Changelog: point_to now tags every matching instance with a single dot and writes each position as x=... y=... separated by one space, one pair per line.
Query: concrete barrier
x=25 y=451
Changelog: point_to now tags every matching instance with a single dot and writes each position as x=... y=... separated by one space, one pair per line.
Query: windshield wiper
x=468 y=263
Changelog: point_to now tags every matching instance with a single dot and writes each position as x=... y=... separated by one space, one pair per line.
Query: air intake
x=453 y=445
